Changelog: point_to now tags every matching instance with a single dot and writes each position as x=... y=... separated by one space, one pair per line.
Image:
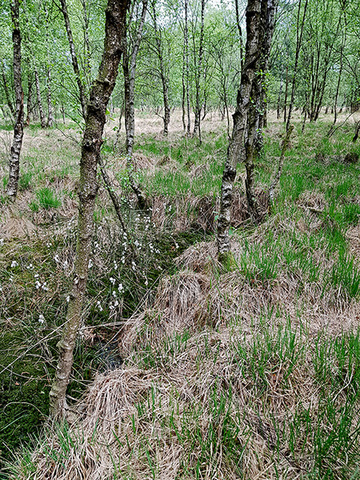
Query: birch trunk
x=74 y=60
x=14 y=163
x=38 y=95
x=299 y=36
x=115 y=29
x=50 y=122
x=199 y=74
x=129 y=68
x=187 y=68
x=29 y=106
x=163 y=76
x=242 y=145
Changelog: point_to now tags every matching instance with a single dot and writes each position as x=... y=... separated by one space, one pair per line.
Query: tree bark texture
x=115 y=30
x=14 y=163
x=74 y=60
x=243 y=139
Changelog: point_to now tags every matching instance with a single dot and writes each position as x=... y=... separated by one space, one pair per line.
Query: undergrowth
x=191 y=370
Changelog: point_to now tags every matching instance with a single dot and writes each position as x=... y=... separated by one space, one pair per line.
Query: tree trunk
x=199 y=74
x=163 y=76
x=74 y=60
x=286 y=92
x=87 y=51
x=187 y=68
x=129 y=69
x=14 y=164
x=242 y=143
x=29 y=105
x=50 y=122
x=115 y=30
x=299 y=35
x=279 y=98
x=38 y=95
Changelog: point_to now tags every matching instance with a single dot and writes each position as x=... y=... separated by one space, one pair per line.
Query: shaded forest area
x=179 y=239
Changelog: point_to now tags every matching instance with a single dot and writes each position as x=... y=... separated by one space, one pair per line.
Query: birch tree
x=242 y=145
x=14 y=164
x=115 y=31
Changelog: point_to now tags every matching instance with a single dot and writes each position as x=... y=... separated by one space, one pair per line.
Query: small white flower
x=36 y=275
x=120 y=287
x=56 y=258
x=66 y=264
x=114 y=294
x=14 y=264
x=68 y=299
x=1 y=242
x=90 y=263
x=112 y=280
x=146 y=282
x=44 y=287
x=37 y=285
x=41 y=319
x=116 y=303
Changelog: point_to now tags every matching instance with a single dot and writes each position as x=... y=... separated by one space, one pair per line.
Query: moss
x=24 y=388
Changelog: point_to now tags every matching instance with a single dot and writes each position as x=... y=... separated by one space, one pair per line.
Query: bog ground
x=185 y=368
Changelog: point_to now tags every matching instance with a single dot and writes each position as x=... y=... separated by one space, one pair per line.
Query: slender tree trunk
x=279 y=97
x=38 y=95
x=340 y=74
x=87 y=51
x=199 y=74
x=29 y=105
x=50 y=122
x=7 y=93
x=74 y=60
x=14 y=164
x=238 y=22
x=129 y=68
x=163 y=76
x=299 y=35
x=187 y=68
x=242 y=143
x=119 y=127
x=286 y=92
x=115 y=30
x=63 y=113
x=183 y=92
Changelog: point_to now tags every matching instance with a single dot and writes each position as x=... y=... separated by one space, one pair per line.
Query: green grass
x=47 y=198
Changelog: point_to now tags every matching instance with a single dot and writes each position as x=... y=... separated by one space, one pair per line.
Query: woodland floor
x=185 y=369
